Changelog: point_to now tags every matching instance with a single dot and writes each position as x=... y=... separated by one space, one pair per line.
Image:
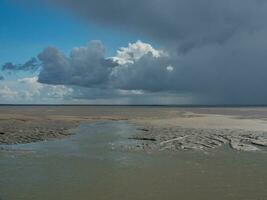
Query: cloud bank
x=136 y=67
x=214 y=50
x=232 y=73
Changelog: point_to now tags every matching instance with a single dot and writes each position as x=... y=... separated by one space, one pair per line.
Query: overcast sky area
x=133 y=51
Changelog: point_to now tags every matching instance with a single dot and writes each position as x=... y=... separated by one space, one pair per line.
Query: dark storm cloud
x=184 y=24
x=234 y=72
x=31 y=64
x=86 y=66
x=2 y=78
x=148 y=73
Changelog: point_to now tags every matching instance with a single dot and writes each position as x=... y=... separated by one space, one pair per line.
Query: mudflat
x=111 y=153
x=160 y=128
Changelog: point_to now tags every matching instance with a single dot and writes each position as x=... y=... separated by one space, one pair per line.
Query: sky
x=133 y=52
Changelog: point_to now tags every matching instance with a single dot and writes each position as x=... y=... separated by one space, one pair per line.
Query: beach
x=124 y=152
x=160 y=128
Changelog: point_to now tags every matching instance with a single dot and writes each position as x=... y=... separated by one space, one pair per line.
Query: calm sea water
x=84 y=167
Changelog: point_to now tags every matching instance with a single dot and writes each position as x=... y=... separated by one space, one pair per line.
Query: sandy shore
x=161 y=128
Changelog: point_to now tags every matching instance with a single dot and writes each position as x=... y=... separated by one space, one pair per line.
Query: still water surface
x=85 y=167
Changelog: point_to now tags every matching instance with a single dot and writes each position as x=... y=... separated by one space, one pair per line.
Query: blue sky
x=25 y=31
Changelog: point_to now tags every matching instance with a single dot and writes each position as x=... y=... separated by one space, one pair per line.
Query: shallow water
x=84 y=166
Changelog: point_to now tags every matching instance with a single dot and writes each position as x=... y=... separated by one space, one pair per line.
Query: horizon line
x=151 y=105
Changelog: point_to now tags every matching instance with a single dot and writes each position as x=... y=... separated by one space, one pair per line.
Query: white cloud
x=134 y=52
x=7 y=93
x=32 y=84
x=58 y=91
x=170 y=68
x=36 y=89
x=29 y=90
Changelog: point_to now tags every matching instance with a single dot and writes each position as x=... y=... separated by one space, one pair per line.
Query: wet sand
x=111 y=153
x=194 y=131
x=83 y=166
x=161 y=128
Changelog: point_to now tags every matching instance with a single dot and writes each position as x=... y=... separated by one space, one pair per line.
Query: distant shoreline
x=144 y=105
